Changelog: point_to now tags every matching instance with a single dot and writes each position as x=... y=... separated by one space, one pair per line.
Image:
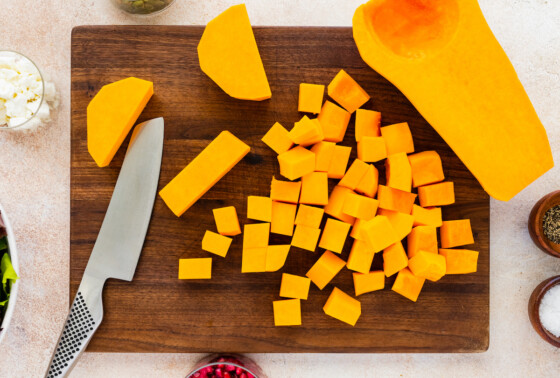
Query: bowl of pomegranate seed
x=226 y=366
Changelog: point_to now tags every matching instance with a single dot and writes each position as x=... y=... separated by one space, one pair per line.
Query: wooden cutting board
x=156 y=312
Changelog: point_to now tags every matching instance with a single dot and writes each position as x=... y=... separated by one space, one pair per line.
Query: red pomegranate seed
x=238 y=371
x=243 y=375
x=230 y=367
x=249 y=375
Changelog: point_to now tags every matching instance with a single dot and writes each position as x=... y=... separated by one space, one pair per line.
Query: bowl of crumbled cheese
x=26 y=99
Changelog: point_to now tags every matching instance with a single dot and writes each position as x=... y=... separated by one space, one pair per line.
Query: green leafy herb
x=8 y=274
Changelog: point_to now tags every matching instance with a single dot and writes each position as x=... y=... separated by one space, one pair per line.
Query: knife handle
x=84 y=318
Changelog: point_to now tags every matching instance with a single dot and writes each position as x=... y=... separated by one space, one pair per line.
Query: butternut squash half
x=444 y=58
x=228 y=54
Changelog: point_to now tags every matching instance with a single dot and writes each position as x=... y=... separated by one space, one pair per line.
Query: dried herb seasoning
x=551 y=224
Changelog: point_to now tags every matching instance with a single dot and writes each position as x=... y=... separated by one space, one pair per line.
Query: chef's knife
x=118 y=245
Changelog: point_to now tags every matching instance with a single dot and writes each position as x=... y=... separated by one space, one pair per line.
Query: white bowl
x=13 y=293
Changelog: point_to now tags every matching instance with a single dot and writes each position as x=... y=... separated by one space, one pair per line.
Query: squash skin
x=468 y=90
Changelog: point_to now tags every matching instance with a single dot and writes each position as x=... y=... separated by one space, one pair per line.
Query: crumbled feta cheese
x=21 y=93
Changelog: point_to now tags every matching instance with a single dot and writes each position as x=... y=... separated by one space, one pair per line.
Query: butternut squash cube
x=361 y=257
x=283 y=217
x=276 y=257
x=309 y=216
x=459 y=261
x=354 y=175
x=253 y=260
x=456 y=233
x=296 y=163
x=343 y=307
x=398 y=172
x=359 y=206
x=339 y=162
x=395 y=199
x=112 y=113
x=402 y=223
x=440 y=194
x=285 y=191
x=325 y=269
x=217 y=159
x=368 y=184
x=368 y=282
x=293 y=286
x=315 y=189
x=334 y=235
x=408 y=285
x=368 y=123
x=195 y=269
x=430 y=266
x=228 y=54
x=356 y=232
x=426 y=216
x=426 y=168
x=394 y=259
x=227 y=222
x=372 y=149
x=344 y=90
x=259 y=208
x=255 y=235
x=336 y=204
x=278 y=138
x=324 y=152
x=422 y=238
x=379 y=233
x=216 y=243
x=310 y=98
x=287 y=312
x=334 y=121
x=398 y=138
x=306 y=237
x=306 y=132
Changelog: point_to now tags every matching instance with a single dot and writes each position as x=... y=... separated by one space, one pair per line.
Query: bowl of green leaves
x=8 y=273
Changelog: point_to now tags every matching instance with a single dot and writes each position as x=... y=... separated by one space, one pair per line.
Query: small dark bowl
x=534 y=304
x=536 y=223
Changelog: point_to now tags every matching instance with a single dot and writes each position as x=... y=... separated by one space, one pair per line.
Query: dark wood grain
x=233 y=311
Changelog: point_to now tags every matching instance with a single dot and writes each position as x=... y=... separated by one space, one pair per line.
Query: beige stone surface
x=34 y=189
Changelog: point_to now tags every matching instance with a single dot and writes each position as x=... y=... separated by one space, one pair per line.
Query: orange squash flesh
x=443 y=56
x=334 y=121
x=368 y=184
x=398 y=172
x=344 y=90
x=367 y=124
x=112 y=113
x=228 y=54
x=426 y=168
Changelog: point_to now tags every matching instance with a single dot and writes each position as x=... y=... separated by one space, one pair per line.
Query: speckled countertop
x=34 y=189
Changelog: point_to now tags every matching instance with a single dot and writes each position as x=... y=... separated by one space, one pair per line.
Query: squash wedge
x=112 y=113
x=444 y=58
x=228 y=54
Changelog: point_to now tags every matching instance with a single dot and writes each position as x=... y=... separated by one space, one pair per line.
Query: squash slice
x=228 y=54
x=444 y=58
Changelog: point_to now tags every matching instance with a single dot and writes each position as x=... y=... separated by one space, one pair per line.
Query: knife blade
x=118 y=245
